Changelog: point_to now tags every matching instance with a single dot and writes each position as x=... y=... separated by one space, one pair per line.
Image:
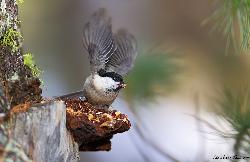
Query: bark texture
x=42 y=132
x=17 y=79
x=93 y=128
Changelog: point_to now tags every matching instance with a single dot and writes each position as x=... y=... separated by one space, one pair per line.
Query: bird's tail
x=69 y=96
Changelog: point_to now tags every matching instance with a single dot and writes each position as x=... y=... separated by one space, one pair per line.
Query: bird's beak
x=123 y=85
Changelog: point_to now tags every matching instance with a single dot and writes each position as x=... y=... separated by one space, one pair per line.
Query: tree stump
x=55 y=131
x=42 y=132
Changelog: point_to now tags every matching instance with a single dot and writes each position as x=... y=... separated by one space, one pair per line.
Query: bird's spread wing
x=98 y=40
x=122 y=60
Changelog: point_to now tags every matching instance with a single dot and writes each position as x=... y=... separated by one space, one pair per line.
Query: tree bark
x=42 y=133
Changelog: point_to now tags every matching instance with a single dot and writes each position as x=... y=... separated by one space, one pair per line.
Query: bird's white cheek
x=113 y=85
x=104 y=83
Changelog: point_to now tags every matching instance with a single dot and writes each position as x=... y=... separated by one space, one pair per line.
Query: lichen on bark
x=20 y=84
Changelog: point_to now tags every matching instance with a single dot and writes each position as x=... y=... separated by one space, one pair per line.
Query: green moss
x=20 y=1
x=10 y=38
x=29 y=61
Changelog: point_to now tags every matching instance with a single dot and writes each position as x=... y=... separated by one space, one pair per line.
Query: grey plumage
x=122 y=60
x=112 y=52
x=111 y=57
x=98 y=40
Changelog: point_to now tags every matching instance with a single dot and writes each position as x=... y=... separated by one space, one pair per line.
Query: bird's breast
x=96 y=95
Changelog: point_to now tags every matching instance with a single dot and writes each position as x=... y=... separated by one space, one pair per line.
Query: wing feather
x=98 y=40
x=122 y=60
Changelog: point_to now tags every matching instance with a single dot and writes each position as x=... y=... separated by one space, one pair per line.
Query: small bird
x=111 y=57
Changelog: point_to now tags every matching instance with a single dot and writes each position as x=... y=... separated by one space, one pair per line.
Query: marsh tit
x=111 y=57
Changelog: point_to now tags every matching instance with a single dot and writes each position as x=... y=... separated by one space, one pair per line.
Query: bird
x=111 y=56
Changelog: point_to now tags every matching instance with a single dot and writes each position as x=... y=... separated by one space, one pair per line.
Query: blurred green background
x=188 y=94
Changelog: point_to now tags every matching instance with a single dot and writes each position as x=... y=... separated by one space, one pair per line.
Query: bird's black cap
x=116 y=77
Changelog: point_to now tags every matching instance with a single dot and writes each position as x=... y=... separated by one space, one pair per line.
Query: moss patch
x=29 y=61
x=20 y=1
x=11 y=38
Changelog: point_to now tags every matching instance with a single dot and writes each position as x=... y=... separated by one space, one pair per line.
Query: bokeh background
x=187 y=96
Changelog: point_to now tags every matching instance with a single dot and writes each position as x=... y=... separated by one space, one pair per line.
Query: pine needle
x=232 y=19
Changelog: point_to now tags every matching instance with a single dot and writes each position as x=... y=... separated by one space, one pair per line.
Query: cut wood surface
x=42 y=133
